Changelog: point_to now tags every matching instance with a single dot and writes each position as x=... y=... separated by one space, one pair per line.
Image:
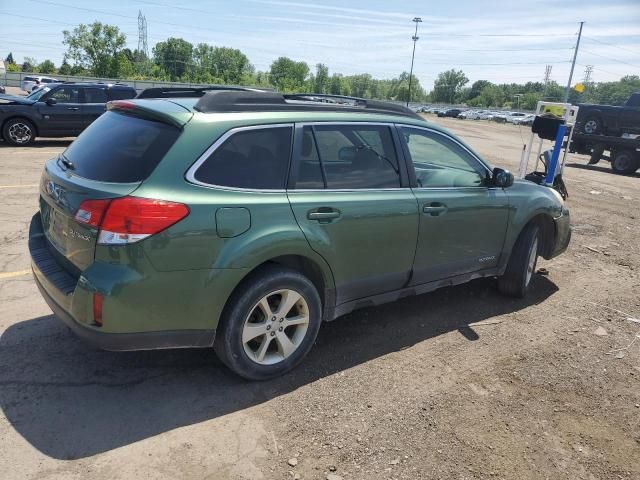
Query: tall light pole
x=417 y=20
x=573 y=64
x=517 y=97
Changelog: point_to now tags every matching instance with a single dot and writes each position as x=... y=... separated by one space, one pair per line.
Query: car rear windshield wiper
x=67 y=163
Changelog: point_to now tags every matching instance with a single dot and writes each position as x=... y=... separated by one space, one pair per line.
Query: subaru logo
x=56 y=192
x=51 y=188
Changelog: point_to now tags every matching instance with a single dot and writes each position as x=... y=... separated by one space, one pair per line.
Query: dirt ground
x=461 y=383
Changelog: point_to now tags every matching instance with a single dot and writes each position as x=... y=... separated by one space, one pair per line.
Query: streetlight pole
x=417 y=20
x=517 y=97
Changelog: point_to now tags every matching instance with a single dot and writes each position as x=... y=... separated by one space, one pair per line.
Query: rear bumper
x=70 y=301
x=128 y=341
x=563 y=233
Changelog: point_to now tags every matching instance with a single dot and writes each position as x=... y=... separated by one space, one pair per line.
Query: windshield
x=38 y=93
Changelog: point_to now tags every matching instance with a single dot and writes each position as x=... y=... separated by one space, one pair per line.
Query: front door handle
x=73 y=108
x=435 y=209
x=323 y=214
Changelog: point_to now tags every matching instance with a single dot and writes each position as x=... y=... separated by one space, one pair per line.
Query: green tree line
x=451 y=87
x=100 y=50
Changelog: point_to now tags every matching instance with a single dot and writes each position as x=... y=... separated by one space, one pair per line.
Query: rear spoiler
x=170 y=113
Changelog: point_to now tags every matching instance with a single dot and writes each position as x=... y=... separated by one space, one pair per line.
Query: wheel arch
x=547 y=228
x=319 y=275
x=17 y=116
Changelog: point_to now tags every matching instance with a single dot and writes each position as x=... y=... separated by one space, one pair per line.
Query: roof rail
x=256 y=100
x=186 y=92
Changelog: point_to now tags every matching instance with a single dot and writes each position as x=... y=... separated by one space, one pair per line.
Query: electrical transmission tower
x=143 y=48
x=587 y=74
x=547 y=78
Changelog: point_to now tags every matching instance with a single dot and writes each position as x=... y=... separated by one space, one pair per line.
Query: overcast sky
x=500 y=41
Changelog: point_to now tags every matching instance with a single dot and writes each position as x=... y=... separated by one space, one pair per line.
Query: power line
x=611 y=45
x=48 y=20
x=610 y=58
x=606 y=71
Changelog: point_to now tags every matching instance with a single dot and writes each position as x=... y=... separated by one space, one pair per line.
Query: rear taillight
x=92 y=211
x=129 y=219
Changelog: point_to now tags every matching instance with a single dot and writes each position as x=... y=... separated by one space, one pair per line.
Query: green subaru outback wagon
x=241 y=220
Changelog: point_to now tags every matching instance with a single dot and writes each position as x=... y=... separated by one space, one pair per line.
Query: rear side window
x=256 y=158
x=121 y=93
x=347 y=157
x=120 y=148
x=95 y=95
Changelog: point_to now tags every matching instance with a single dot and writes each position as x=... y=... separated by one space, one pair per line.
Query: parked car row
x=516 y=118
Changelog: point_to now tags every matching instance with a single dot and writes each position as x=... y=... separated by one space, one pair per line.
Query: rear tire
x=522 y=263
x=624 y=162
x=19 y=132
x=269 y=325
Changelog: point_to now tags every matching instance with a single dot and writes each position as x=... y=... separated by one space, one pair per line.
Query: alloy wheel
x=20 y=132
x=531 y=263
x=591 y=126
x=275 y=327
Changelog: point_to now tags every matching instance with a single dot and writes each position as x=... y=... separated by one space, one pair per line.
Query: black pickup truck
x=609 y=119
x=56 y=110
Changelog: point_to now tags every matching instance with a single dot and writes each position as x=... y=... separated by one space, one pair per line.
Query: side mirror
x=51 y=101
x=502 y=178
x=347 y=154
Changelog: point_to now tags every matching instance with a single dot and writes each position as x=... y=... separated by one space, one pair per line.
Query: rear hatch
x=108 y=161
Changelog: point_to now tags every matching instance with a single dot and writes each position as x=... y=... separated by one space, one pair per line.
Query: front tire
x=522 y=263
x=269 y=325
x=19 y=132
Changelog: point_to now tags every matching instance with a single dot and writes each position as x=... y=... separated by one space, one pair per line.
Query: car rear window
x=120 y=148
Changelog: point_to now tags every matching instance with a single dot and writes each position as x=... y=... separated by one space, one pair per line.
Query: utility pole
x=573 y=64
x=415 y=37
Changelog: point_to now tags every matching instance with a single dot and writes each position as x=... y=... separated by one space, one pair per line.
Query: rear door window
x=255 y=158
x=346 y=157
x=94 y=95
x=121 y=93
x=120 y=148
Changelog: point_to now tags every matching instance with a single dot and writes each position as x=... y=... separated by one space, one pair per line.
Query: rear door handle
x=73 y=108
x=323 y=214
x=435 y=209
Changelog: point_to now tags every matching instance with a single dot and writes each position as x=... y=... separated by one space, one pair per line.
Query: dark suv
x=56 y=110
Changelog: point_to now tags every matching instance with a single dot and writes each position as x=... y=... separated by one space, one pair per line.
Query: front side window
x=440 y=162
x=256 y=158
x=66 y=94
x=347 y=157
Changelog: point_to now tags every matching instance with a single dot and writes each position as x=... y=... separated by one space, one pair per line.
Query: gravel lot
x=461 y=383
